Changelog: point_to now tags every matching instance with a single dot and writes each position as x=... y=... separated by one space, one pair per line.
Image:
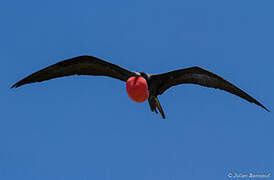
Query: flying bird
x=140 y=86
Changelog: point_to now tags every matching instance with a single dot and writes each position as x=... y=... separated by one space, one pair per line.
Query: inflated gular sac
x=137 y=89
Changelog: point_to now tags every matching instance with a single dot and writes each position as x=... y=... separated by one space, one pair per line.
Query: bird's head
x=137 y=87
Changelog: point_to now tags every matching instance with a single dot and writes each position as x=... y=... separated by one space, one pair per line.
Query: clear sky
x=86 y=128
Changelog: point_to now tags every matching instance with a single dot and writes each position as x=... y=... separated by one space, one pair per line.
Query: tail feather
x=155 y=104
x=158 y=105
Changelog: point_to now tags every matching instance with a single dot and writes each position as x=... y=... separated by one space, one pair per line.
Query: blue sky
x=87 y=128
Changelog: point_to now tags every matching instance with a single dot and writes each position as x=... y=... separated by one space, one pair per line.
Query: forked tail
x=155 y=104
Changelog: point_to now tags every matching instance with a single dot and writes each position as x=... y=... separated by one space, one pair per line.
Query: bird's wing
x=197 y=75
x=82 y=65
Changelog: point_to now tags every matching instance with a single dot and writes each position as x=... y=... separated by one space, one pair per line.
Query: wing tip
x=16 y=85
x=259 y=104
x=266 y=108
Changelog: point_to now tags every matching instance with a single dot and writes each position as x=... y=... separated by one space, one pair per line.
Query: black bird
x=140 y=86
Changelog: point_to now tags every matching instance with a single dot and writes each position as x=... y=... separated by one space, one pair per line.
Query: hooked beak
x=136 y=73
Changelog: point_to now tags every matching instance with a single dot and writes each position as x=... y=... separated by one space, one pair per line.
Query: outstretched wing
x=82 y=65
x=197 y=75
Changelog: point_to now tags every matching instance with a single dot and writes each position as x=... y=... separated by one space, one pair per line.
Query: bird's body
x=140 y=85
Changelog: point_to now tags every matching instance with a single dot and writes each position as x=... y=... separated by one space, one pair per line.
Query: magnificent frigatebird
x=140 y=85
